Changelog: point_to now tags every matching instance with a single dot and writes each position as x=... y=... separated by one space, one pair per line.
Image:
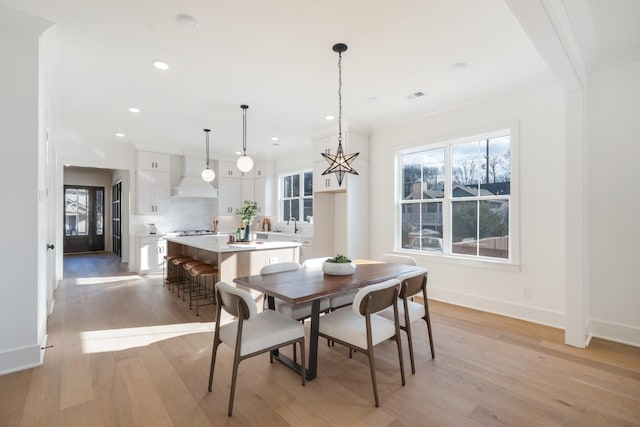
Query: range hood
x=191 y=184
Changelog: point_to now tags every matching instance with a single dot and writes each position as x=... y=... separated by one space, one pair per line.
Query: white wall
x=539 y=113
x=614 y=202
x=23 y=290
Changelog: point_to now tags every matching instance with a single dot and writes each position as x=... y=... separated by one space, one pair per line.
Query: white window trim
x=512 y=264
x=281 y=192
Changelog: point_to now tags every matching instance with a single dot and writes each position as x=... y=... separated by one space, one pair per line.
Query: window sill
x=463 y=261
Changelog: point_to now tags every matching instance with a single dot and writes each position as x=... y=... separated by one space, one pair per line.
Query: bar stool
x=168 y=272
x=180 y=277
x=200 y=273
x=187 y=266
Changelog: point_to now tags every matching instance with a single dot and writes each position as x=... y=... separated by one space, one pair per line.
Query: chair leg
x=213 y=362
x=234 y=377
x=407 y=329
x=400 y=358
x=302 y=359
x=427 y=318
x=373 y=377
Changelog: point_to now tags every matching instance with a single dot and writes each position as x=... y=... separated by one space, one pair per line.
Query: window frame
x=512 y=263
x=301 y=198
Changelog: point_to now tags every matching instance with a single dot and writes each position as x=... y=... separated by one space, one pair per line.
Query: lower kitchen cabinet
x=151 y=251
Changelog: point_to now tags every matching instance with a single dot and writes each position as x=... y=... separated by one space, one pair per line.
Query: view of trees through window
x=297 y=196
x=455 y=197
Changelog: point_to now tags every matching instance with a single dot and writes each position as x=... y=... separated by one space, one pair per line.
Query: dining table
x=311 y=285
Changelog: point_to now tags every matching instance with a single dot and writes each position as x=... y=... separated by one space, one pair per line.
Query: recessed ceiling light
x=274 y=138
x=329 y=117
x=160 y=65
x=134 y=109
x=187 y=21
x=459 y=66
x=238 y=153
x=120 y=134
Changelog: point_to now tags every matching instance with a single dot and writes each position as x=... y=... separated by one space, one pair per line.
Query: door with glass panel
x=83 y=219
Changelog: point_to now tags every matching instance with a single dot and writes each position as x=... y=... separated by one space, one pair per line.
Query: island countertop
x=233 y=260
x=219 y=244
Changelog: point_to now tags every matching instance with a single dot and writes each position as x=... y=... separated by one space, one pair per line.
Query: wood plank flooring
x=127 y=352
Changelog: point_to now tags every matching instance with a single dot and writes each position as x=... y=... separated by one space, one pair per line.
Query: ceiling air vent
x=415 y=95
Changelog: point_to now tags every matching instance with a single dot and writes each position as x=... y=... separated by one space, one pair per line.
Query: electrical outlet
x=526 y=292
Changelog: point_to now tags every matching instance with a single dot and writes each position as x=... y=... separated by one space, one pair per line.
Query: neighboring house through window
x=455 y=197
x=296 y=199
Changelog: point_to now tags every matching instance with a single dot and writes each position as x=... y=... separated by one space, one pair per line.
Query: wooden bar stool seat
x=169 y=272
x=200 y=274
x=180 y=278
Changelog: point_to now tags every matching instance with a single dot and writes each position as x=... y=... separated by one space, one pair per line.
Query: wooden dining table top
x=307 y=284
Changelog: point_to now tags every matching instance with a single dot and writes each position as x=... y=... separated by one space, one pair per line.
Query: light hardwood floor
x=127 y=352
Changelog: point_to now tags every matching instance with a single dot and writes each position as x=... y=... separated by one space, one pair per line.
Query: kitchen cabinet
x=153 y=161
x=229 y=195
x=152 y=192
x=234 y=187
x=228 y=170
x=153 y=182
x=340 y=213
x=150 y=251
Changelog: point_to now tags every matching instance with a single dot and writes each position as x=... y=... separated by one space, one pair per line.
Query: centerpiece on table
x=247 y=214
x=340 y=265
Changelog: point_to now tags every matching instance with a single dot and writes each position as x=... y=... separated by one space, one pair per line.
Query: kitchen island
x=233 y=259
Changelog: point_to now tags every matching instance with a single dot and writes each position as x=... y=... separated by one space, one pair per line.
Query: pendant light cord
x=206 y=131
x=340 y=98
x=244 y=129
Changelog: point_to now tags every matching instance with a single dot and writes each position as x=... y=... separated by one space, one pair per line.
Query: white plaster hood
x=191 y=184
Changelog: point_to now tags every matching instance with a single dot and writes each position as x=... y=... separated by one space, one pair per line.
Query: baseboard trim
x=617 y=332
x=19 y=359
x=504 y=308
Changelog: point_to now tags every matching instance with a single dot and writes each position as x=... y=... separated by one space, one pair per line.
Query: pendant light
x=245 y=163
x=207 y=174
x=340 y=163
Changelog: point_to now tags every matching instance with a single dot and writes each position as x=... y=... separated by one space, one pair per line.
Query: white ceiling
x=276 y=57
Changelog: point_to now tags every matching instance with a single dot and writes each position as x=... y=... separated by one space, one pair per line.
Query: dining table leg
x=312 y=367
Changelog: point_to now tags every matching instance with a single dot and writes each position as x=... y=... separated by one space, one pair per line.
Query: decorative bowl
x=338 y=268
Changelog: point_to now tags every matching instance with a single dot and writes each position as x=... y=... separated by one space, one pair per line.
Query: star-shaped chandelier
x=340 y=163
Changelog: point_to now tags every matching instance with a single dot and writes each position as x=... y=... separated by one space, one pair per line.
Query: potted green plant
x=339 y=265
x=247 y=214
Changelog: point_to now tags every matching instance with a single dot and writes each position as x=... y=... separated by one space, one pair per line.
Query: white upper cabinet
x=228 y=170
x=153 y=182
x=153 y=161
x=153 y=192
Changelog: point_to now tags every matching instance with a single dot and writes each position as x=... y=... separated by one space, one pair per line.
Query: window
x=455 y=197
x=297 y=196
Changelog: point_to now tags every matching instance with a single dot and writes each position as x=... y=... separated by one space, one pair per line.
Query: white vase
x=338 y=268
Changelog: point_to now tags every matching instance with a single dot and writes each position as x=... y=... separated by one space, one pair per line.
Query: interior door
x=116 y=218
x=83 y=219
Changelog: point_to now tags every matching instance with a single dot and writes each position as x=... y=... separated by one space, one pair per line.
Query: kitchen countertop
x=282 y=233
x=215 y=244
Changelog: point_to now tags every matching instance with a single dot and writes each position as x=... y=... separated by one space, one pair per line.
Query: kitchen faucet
x=295 y=224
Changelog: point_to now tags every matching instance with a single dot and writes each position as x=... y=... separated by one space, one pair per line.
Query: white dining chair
x=398 y=259
x=252 y=333
x=360 y=328
x=412 y=284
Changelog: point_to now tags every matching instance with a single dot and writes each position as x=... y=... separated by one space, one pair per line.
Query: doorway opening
x=83 y=219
